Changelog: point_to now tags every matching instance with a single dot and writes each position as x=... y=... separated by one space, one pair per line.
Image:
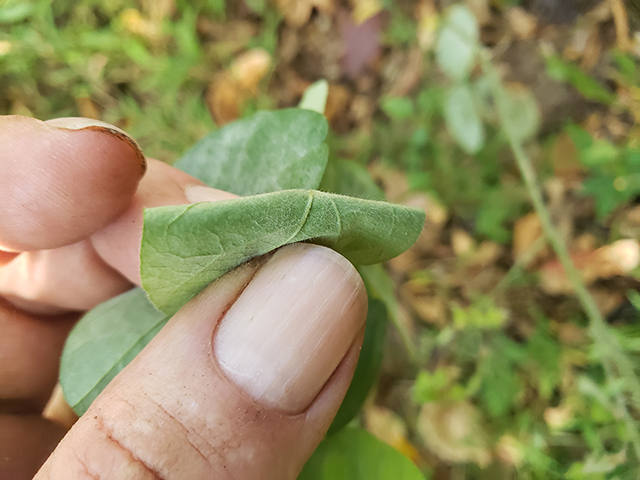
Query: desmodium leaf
x=355 y=454
x=186 y=247
x=347 y=177
x=103 y=342
x=266 y=152
x=315 y=97
x=458 y=42
x=367 y=368
x=462 y=119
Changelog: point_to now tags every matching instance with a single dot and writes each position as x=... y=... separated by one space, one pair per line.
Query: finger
x=62 y=180
x=29 y=358
x=48 y=282
x=119 y=243
x=251 y=398
x=25 y=443
x=33 y=280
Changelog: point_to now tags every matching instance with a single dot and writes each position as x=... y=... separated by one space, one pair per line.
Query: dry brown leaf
x=338 y=102
x=527 y=231
x=453 y=432
x=386 y=425
x=87 y=108
x=486 y=254
x=230 y=89
x=462 y=243
x=522 y=23
x=621 y=21
x=617 y=259
x=363 y=10
x=428 y=19
x=565 y=160
x=224 y=99
x=250 y=68
x=436 y=217
x=431 y=310
x=58 y=410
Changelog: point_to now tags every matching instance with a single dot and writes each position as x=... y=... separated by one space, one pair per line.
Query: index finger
x=62 y=180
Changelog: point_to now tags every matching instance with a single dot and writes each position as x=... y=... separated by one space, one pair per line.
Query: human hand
x=242 y=383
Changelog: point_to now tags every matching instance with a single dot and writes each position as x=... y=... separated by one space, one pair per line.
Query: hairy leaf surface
x=266 y=152
x=186 y=247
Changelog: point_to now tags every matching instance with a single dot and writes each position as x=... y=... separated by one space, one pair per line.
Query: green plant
x=213 y=238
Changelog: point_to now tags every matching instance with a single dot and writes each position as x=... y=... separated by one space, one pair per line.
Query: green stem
x=615 y=361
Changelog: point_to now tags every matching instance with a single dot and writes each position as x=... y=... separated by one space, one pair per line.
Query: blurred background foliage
x=505 y=380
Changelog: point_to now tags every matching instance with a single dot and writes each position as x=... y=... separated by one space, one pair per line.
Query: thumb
x=242 y=383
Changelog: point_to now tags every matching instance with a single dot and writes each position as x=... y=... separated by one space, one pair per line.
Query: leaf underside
x=186 y=247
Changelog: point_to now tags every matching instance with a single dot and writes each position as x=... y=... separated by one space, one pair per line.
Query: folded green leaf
x=103 y=342
x=186 y=247
x=266 y=152
x=355 y=454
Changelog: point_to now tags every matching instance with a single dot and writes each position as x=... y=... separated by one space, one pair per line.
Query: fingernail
x=201 y=193
x=81 y=123
x=291 y=326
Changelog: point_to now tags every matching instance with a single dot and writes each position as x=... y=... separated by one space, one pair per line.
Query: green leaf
x=354 y=454
x=522 y=114
x=266 y=152
x=590 y=88
x=367 y=368
x=462 y=119
x=380 y=286
x=186 y=247
x=397 y=108
x=14 y=13
x=315 y=97
x=458 y=43
x=350 y=178
x=103 y=342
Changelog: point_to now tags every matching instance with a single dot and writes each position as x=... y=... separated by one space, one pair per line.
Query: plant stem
x=615 y=361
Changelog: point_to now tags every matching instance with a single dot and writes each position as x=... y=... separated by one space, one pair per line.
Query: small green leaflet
x=265 y=152
x=355 y=454
x=315 y=97
x=186 y=247
x=103 y=342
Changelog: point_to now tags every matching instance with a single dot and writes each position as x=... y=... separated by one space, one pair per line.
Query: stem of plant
x=615 y=362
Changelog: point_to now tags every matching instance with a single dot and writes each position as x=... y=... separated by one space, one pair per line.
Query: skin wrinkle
x=101 y=426
x=85 y=468
x=187 y=431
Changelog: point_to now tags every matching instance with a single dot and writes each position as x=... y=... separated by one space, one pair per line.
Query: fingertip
x=62 y=181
